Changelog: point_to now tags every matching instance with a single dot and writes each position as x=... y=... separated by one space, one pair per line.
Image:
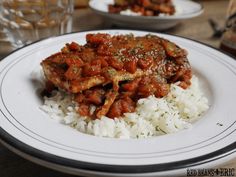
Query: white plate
x=29 y=131
x=185 y=9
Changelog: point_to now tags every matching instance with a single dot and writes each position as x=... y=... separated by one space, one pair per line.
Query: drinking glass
x=25 y=21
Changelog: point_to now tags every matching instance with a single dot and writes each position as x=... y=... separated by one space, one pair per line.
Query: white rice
x=130 y=13
x=153 y=116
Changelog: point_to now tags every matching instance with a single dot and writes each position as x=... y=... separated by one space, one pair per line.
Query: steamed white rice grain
x=153 y=116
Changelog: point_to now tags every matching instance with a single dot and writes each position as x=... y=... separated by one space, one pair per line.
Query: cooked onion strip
x=110 y=98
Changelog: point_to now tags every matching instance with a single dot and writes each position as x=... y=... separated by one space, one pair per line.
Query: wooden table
x=12 y=165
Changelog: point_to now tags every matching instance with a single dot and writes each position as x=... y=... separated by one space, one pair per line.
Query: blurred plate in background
x=185 y=9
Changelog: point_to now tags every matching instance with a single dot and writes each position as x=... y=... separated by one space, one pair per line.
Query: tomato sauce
x=113 y=72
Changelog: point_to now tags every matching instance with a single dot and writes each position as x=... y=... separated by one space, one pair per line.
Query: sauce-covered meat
x=143 y=7
x=110 y=73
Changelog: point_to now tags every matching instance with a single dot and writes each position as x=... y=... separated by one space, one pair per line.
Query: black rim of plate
x=106 y=168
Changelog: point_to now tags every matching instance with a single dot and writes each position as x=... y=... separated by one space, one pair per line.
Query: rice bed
x=153 y=116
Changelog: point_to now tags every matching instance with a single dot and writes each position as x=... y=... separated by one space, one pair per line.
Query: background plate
x=186 y=9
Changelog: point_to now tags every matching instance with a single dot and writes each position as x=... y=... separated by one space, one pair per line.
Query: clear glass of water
x=25 y=21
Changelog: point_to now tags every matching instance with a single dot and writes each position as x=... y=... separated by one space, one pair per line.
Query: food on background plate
x=142 y=7
x=123 y=86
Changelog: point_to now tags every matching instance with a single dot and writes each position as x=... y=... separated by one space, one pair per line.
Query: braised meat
x=111 y=73
x=144 y=7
